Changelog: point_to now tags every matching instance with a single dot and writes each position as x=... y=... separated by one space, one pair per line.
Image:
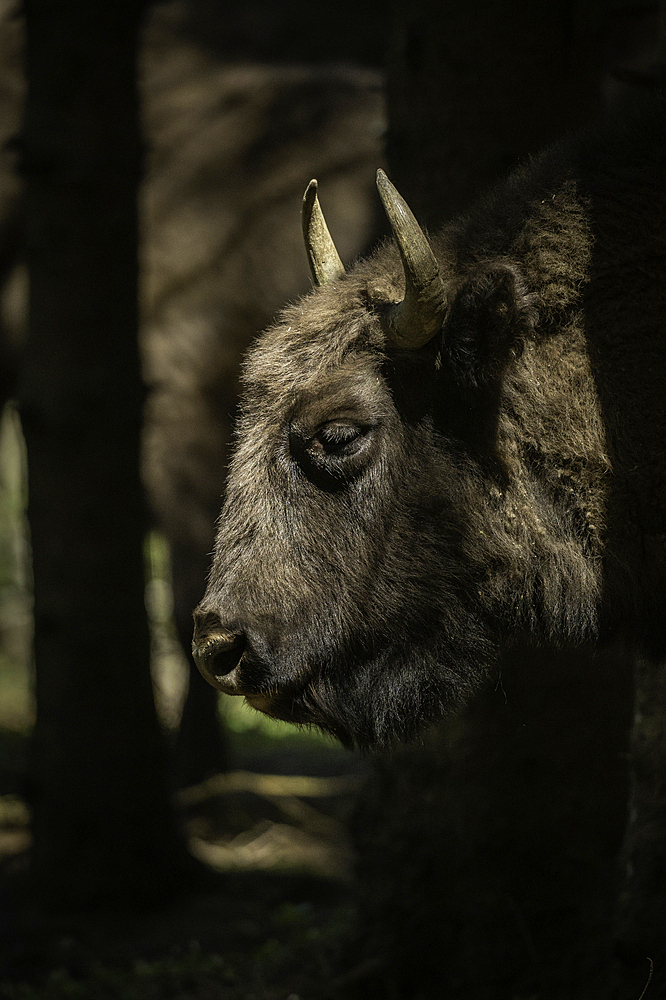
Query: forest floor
x=271 y=915
x=272 y=910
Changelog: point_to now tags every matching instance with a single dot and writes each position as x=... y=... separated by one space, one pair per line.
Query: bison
x=458 y=443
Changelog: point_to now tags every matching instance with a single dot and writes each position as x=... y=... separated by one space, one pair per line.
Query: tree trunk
x=103 y=830
x=475 y=87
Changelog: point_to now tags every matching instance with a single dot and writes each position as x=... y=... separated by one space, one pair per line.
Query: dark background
x=484 y=860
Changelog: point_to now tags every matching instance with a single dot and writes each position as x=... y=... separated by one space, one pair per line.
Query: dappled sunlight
x=239 y=821
x=305 y=832
x=294 y=823
x=16 y=624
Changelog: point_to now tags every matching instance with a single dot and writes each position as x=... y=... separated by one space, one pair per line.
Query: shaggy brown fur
x=394 y=517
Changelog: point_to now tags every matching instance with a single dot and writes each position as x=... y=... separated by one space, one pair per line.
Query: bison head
x=388 y=520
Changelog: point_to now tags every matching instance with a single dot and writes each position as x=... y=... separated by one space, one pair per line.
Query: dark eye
x=336 y=453
x=338 y=437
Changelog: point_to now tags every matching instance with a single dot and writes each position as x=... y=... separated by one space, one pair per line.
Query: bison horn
x=323 y=258
x=415 y=320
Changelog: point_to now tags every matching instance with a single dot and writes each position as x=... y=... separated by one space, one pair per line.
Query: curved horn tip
x=388 y=192
x=381 y=179
x=323 y=258
x=416 y=319
x=311 y=192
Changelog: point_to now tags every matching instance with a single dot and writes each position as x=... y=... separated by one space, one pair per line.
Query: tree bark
x=103 y=830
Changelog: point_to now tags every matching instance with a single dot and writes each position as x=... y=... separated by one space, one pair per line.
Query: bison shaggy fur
x=395 y=517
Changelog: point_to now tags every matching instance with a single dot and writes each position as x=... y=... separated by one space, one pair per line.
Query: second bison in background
x=456 y=444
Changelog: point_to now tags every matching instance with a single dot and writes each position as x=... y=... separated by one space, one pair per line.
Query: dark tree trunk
x=102 y=826
x=474 y=87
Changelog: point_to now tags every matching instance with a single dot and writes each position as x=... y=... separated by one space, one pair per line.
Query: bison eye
x=334 y=454
x=338 y=437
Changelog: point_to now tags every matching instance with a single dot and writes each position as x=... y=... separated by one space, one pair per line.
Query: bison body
x=451 y=447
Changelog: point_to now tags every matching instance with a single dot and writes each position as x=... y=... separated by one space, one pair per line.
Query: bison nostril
x=218 y=654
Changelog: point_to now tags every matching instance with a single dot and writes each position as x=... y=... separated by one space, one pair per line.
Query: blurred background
x=156 y=841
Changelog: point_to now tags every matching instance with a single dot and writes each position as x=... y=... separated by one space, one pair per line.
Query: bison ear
x=487 y=323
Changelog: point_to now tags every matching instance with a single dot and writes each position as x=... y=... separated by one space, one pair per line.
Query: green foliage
x=16 y=706
x=16 y=701
x=13 y=497
x=240 y=718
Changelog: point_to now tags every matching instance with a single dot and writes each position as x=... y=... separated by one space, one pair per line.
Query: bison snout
x=217 y=653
